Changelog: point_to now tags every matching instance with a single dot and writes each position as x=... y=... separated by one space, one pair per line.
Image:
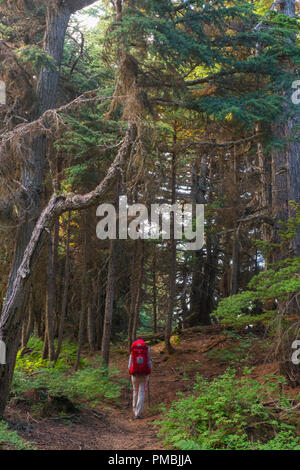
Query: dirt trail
x=115 y=428
x=115 y=431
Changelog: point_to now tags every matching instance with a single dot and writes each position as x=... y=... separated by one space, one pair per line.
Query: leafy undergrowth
x=231 y=413
x=10 y=440
x=91 y=384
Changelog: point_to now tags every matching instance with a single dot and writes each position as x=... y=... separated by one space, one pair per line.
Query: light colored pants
x=140 y=385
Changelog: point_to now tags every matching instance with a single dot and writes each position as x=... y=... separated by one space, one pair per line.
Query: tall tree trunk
x=83 y=301
x=154 y=291
x=28 y=327
x=32 y=180
x=199 y=188
x=265 y=169
x=286 y=188
x=183 y=298
x=109 y=302
x=91 y=325
x=293 y=163
x=110 y=288
x=99 y=301
x=204 y=276
x=236 y=243
x=234 y=284
x=65 y=290
x=82 y=324
x=173 y=265
x=139 y=291
x=280 y=205
x=210 y=271
x=133 y=293
x=48 y=349
x=286 y=161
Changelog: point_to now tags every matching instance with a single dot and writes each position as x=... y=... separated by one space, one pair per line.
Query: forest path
x=112 y=427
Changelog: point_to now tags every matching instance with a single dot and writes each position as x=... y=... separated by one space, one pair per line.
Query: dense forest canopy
x=186 y=102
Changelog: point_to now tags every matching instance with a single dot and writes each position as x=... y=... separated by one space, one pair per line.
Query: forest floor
x=208 y=352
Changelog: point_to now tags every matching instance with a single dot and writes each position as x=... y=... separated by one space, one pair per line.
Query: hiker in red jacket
x=140 y=369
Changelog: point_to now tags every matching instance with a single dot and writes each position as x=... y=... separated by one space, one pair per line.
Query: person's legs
x=143 y=384
x=135 y=392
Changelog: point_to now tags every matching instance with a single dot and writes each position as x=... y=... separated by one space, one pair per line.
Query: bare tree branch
x=13 y=142
x=41 y=124
x=58 y=204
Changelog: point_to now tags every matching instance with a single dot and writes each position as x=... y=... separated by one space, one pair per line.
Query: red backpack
x=139 y=358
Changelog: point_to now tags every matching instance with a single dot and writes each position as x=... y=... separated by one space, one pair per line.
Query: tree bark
x=133 y=294
x=173 y=266
x=91 y=325
x=28 y=327
x=199 y=188
x=139 y=291
x=154 y=291
x=286 y=162
x=234 y=282
x=184 y=291
x=109 y=302
x=99 y=303
x=48 y=349
x=32 y=180
x=286 y=188
x=83 y=302
x=65 y=290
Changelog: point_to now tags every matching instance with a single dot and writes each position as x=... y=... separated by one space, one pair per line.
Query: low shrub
x=228 y=413
x=92 y=383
